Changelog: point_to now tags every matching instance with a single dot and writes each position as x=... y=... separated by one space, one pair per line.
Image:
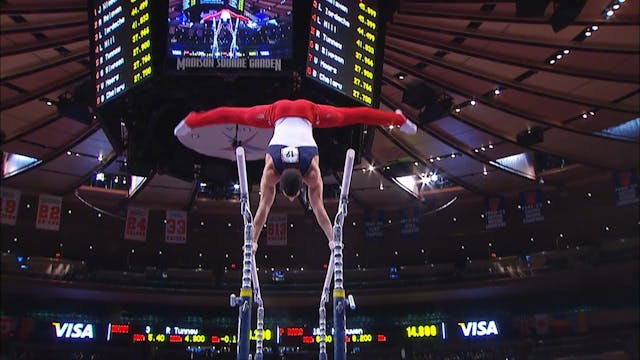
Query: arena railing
x=611 y=251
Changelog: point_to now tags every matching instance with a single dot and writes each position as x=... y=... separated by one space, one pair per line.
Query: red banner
x=136 y=225
x=49 y=209
x=9 y=201
x=176 y=227
x=277 y=230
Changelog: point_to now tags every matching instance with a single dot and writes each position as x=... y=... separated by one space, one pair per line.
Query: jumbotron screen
x=122 y=46
x=343 y=42
x=230 y=34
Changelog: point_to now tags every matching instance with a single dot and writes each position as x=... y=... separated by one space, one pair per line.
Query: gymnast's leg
x=330 y=116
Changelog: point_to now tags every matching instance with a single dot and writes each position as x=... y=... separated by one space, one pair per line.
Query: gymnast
x=292 y=154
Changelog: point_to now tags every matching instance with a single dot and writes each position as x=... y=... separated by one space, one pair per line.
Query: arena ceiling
x=505 y=74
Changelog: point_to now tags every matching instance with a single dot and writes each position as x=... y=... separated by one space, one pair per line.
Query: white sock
x=408 y=127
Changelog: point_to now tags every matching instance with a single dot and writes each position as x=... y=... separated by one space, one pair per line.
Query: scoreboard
x=343 y=46
x=122 y=46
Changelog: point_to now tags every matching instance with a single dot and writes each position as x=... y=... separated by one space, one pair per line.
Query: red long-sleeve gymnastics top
x=320 y=116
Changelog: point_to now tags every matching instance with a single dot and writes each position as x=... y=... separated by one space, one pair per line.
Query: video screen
x=230 y=29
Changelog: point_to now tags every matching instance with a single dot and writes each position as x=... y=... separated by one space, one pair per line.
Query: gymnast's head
x=290 y=183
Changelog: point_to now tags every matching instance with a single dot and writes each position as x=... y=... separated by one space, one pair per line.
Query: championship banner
x=175 y=229
x=373 y=224
x=625 y=185
x=136 y=225
x=49 y=209
x=494 y=214
x=531 y=206
x=409 y=220
x=277 y=230
x=9 y=201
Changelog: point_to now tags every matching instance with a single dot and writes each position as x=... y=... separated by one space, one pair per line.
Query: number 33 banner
x=176 y=227
x=48 y=217
x=9 y=201
x=277 y=230
x=136 y=227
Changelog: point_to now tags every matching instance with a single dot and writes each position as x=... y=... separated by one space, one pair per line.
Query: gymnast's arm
x=267 y=196
x=314 y=180
x=331 y=116
x=256 y=116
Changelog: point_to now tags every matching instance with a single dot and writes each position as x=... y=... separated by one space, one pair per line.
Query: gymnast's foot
x=408 y=127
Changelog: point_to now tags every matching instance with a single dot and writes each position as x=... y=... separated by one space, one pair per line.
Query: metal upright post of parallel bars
x=336 y=269
x=249 y=272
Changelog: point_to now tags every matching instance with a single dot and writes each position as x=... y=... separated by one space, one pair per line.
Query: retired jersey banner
x=531 y=206
x=49 y=209
x=277 y=230
x=409 y=220
x=373 y=224
x=9 y=203
x=175 y=229
x=494 y=214
x=136 y=225
x=625 y=185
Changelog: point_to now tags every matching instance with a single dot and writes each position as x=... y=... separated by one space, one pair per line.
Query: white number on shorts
x=289 y=155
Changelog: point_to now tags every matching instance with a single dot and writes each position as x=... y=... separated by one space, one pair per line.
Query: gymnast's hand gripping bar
x=336 y=269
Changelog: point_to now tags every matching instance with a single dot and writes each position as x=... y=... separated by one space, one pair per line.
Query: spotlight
x=587 y=33
x=609 y=13
x=457 y=110
x=497 y=91
x=552 y=61
x=371 y=167
x=48 y=101
x=559 y=56
x=616 y=6
x=473 y=103
x=566 y=51
x=594 y=28
x=584 y=116
x=490 y=146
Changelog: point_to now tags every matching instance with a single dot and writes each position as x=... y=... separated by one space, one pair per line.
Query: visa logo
x=478 y=328
x=73 y=330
